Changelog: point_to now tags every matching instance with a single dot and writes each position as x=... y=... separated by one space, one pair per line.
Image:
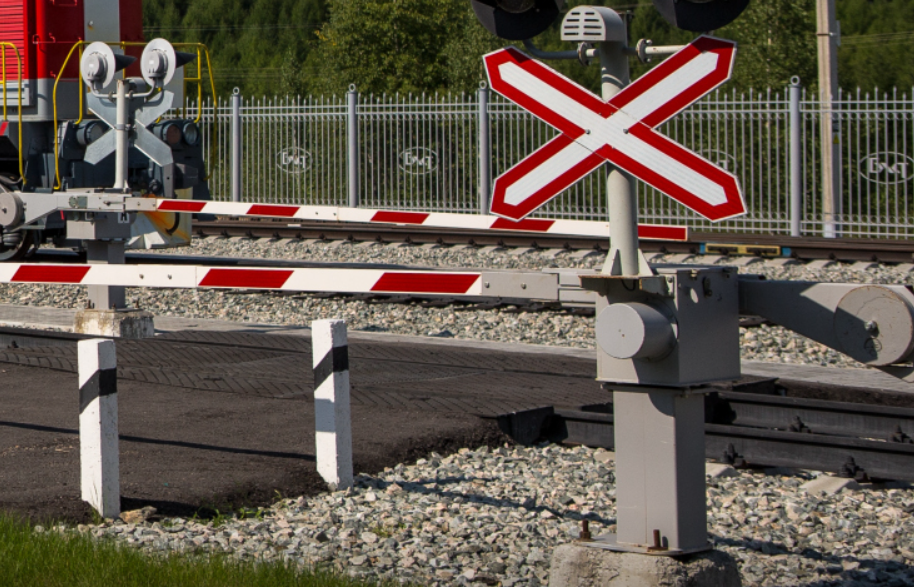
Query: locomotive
x=47 y=131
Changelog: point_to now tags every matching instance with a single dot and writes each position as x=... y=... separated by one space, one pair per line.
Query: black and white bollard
x=98 y=443
x=333 y=424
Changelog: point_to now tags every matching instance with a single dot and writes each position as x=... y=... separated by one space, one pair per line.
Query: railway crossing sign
x=621 y=130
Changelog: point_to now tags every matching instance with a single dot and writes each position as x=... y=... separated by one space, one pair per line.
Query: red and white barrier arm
x=585 y=228
x=303 y=280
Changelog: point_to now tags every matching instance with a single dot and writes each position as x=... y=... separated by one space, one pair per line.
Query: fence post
x=236 y=145
x=485 y=148
x=352 y=124
x=98 y=444
x=332 y=420
x=796 y=159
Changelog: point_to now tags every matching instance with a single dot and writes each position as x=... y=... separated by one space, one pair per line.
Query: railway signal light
x=160 y=61
x=516 y=20
x=100 y=63
x=700 y=15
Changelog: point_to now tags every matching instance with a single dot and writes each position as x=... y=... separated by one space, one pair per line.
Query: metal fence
x=428 y=153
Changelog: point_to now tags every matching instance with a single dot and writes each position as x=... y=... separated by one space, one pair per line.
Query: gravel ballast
x=493 y=516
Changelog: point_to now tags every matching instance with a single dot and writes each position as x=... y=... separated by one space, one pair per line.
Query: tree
x=777 y=40
x=400 y=46
x=251 y=41
x=876 y=42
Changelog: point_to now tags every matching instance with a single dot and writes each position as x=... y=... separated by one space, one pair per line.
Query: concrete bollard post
x=98 y=442
x=333 y=424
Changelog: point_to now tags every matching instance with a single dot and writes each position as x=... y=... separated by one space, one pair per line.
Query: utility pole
x=828 y=38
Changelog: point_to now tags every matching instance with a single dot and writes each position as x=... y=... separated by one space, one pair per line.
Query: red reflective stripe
x=3 y=127
x=254 y=278
x=530 y=224
x=669 y=233
x=399 y=217
x=50 y=274
x=452 y=283
x=272 y=210
x=181 y=206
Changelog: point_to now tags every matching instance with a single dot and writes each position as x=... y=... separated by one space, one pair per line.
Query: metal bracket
x=37 y=206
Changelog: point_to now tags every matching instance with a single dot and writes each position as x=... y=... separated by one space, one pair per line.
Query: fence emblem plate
x=887 y=167
x=293 y=160
x=418 y=160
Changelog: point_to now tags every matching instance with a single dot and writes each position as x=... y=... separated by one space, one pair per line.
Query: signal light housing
x=160 y=61
x=517 y=20
x=700 y=16
x=100 y=63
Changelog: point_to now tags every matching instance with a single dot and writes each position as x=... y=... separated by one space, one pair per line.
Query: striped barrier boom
x=194 y=276
x=584 y=228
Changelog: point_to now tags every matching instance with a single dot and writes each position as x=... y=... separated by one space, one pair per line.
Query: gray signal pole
x=828 y=37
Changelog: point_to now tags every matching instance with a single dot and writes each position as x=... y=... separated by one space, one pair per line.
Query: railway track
x=764 y=423
x=768 y=246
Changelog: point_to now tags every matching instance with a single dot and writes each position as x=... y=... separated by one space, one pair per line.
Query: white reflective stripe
x=333 y=280
x=547 y=171
x=612 y=132
x=445 y=220
x=355 y=214
x=549 y=96
x=672 y=86
x=580 y=227
x=330 y=213
x=141 y=276
x=7 y=270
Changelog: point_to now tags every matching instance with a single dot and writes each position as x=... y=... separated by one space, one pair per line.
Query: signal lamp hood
x=700 y=15
x=516 y=20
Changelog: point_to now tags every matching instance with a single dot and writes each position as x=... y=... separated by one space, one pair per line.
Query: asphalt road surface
x=207 y=427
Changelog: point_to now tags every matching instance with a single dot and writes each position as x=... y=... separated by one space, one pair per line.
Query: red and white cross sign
x=620 y=130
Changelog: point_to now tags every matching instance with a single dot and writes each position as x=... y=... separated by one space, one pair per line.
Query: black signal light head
x=516 y=20
x=700 y=15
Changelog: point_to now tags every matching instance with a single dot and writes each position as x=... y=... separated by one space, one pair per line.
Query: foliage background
x=268 y=47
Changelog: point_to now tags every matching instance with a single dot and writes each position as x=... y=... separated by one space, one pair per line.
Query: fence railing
x=428 y=153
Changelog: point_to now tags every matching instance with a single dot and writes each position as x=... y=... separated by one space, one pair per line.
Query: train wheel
x=14 y=246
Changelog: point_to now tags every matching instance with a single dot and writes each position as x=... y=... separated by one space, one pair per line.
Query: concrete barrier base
x=117 y=323
x=576 y=565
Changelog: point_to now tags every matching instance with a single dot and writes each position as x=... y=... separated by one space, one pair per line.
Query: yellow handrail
x=15 y=49
x=199 y=81
x=78 y=45
x=123 y=45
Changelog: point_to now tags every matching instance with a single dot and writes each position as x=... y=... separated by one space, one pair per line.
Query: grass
x=50 y=559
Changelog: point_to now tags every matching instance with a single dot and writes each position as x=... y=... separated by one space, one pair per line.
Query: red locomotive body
x=44 y=32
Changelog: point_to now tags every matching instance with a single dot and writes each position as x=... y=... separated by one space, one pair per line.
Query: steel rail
x=745 y=429
x=810 y=416
x=799 y=248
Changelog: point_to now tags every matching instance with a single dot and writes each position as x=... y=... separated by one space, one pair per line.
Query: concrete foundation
x=576 y=565
x=116 y=323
